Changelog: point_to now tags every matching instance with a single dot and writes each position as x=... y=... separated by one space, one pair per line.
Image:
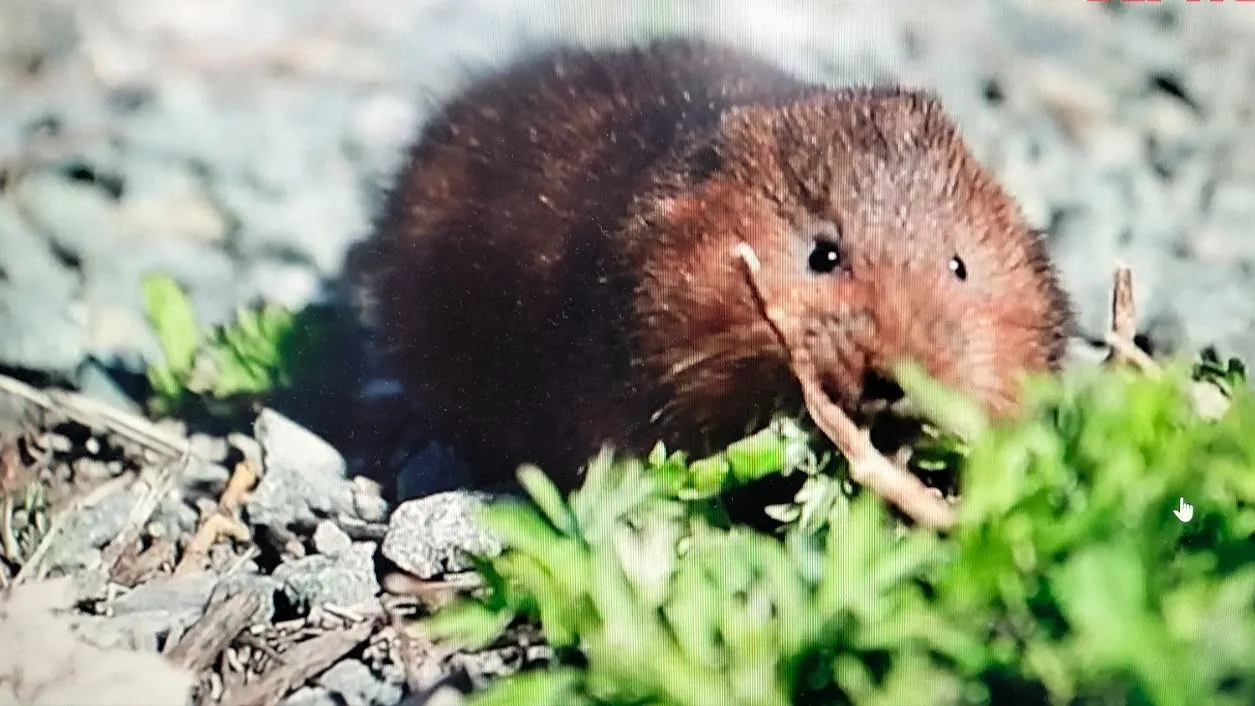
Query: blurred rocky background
x=239 y=146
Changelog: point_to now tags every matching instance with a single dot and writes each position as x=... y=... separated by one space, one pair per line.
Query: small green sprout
x=246 y=359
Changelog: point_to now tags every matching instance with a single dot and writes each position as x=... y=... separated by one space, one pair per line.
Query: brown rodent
x=555 y=261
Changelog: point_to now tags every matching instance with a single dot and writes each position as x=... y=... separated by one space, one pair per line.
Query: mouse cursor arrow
x=1185 y=512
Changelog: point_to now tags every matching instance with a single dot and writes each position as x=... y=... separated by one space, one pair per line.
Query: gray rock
x=316 y=221
x=433 y=535
x=368 y=500
x=204 y=478
x=168 y=605
x=213 y=449
x=79 y=216
x=173 y=519
x=139 y=618
x=30 y=31
x=357 y=685
x=89 y=585
x=247 y=446
x=311 y=696
x=92 y=528
x=165 y=199
x=346 y=579
x=44 y=325
x=93 y=380
x=379 y=128
x=289 y=284
x=304 y=477
x=172 y=593
x=113 y=292
x=264 y=586
x=330 y=540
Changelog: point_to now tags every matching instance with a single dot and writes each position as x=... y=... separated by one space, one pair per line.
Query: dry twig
x=33 y=568
x=1130 y=352
x=1123 y=313
x=137 y=567
x=99 y=416
x=215 y=630
x=1206 y=398
x=243 y=478
x=154 y=491
x=221 y=523
x=867 y=466
x=432 y=592
x=210 y=531
x=1124 y=326
x=102 y=417
x=301 y=663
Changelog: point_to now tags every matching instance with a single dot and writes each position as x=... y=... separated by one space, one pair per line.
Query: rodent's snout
x=881 y=320
x=878 y=391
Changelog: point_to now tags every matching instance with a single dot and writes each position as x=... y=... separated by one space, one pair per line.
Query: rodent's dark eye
x=958 y=268
x=825 y=257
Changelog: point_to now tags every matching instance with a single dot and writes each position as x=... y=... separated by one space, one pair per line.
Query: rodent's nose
x=879 y=388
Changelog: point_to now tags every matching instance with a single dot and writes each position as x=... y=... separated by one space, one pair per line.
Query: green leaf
x=174 y=322
x=953 y=411
x=546 y=496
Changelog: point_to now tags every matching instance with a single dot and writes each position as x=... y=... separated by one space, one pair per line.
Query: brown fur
x=556 y=262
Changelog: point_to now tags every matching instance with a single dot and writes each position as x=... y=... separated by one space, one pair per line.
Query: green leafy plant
x=668 y=608
x=222 y=367
x=1085 y=584
x=1067 y=581
x=1227 y=375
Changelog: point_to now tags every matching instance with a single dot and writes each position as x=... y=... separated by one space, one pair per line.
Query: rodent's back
x=497 y=285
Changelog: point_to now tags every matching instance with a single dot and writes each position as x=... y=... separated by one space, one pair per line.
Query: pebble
x=368 y=500
x=141 y=616
x=247 y=446
x=90 y=529
x=433 y=535
x=43 y=320
x=78 y=215
x=304 y=478
x=345 y=579
x=213 y=449
x=173 y=518
x=330 y=540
